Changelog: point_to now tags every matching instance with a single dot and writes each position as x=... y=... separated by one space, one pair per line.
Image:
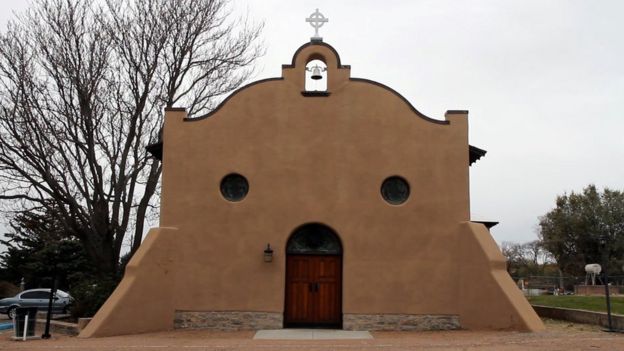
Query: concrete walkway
x=311 y=334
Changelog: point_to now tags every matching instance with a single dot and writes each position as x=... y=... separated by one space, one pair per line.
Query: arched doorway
x=313 y=278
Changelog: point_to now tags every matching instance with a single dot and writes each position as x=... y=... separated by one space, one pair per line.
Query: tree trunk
x=150 y=189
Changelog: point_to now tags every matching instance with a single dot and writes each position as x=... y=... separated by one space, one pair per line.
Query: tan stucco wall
x=314 y=159
x=142 y=302
x=489 y=298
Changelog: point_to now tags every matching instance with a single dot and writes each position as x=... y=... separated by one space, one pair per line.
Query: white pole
x=25 y=328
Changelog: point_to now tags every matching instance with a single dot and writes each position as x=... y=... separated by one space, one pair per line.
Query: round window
x=395 y=190
x=234 y=187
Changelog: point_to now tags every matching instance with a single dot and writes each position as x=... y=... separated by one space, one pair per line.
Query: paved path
x=311 y=334
x=558 y=337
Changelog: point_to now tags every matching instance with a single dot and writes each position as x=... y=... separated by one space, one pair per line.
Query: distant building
x=364 y=202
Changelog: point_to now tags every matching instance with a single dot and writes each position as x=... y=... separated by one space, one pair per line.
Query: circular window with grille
x=234 y=187
x=395 y=190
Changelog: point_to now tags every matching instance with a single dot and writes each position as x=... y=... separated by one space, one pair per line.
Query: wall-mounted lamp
x=268 y=254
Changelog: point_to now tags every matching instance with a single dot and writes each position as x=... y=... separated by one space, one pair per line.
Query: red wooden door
x=313 y=291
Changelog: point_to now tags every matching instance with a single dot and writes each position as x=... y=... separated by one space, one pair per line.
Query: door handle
x=316 y=287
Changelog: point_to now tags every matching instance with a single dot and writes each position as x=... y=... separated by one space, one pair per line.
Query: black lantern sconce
x=268 y=254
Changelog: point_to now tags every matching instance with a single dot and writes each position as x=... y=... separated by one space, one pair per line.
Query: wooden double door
x=313 y=291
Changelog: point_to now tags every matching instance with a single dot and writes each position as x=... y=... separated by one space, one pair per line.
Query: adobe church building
x=363 y=200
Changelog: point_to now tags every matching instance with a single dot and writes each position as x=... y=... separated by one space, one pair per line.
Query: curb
x=580 y=316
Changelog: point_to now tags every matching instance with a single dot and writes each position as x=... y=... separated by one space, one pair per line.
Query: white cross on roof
x=316 y=20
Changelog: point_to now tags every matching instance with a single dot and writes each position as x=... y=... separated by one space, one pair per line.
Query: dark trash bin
x=20 y=318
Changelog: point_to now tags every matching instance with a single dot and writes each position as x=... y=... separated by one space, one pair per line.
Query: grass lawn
x=590 y=303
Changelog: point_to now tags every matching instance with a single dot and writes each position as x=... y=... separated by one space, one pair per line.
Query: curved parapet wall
x=317 y=44
x=142 y=302
x=224 y=102
x=397 y=94
x=339 y=75
x=488 y=297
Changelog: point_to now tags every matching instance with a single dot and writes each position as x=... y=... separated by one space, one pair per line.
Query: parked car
x=36 y=298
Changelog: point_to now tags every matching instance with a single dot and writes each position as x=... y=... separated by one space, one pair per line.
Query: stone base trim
x=227 y=320
x=399 y=322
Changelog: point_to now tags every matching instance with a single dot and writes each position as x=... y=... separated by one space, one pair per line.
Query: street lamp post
x=605 y=264
x=46 y=334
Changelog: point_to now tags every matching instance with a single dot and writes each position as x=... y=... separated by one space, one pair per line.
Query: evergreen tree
x=38 y=249
x=586 y=227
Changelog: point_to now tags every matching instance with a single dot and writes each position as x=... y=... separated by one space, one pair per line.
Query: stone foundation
x=228 y=320
x=399 y=322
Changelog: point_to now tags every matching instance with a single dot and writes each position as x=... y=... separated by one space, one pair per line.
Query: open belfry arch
x=363 y=200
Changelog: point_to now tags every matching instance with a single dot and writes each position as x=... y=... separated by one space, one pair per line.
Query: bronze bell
x=316 y=73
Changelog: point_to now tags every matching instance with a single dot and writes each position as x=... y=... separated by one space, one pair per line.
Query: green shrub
x=89 y=295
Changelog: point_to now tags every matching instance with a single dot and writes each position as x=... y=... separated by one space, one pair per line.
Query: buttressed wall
x=315 y=157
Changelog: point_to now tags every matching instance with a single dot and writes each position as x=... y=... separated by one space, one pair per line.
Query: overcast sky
x=543 y=81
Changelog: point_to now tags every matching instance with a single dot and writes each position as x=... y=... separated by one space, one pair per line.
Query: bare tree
x=525 y=258
x=82 y=87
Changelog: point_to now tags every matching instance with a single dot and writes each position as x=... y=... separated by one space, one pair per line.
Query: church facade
x=341 y=207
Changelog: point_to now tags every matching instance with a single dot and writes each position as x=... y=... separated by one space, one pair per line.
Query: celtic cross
x=317 y=20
